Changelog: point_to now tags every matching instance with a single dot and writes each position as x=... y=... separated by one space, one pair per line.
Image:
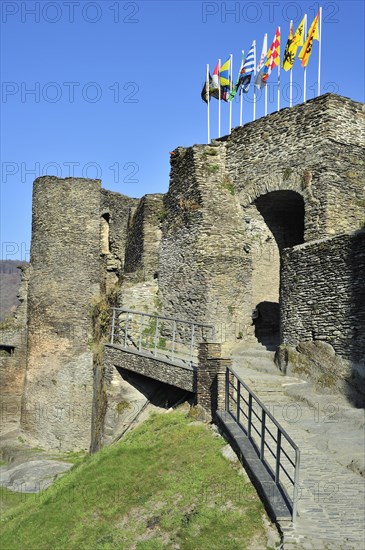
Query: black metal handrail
x=169 y=338
x=247 y=423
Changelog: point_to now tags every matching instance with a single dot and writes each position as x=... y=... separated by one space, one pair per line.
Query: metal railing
x=275 y=448
x=172 y=339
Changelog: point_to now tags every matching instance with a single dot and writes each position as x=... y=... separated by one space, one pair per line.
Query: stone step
x=330 y=435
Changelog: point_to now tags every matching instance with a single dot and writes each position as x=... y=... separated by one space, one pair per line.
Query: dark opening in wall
x=283 y=213
x=105 y=242
x=266 y=318
x=6 y=351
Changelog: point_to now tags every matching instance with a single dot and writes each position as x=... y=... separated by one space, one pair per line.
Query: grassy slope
x=166 y=485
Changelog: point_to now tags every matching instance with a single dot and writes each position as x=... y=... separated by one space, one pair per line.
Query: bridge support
x=210 y=391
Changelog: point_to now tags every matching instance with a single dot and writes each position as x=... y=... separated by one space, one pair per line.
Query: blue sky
x=107 y=88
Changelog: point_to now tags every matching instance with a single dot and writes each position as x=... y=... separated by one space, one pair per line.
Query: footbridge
x=163 y=348
x=184 y=354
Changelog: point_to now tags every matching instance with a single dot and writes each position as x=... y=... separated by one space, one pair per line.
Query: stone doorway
x=277 y=222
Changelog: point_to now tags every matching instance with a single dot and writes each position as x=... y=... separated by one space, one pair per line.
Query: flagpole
x=319 y=52
x=265 y=39
x=241 y=106
x=291 y=71
x=208 y=94
x=219 y=98
x=279 y=72
x=265 y=99
x=305 y=68
x=240 y=90
x=230 y=86
x=254 y=87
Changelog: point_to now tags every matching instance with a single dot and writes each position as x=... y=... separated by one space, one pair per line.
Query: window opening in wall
x=105 y=242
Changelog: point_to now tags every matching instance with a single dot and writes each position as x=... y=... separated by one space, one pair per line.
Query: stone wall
x=323 y=300
x=144 y=237
x=64 y=281
x=119 y=211
x=203 y=262
x=12 y=367
x=314 y=149
x=211 y=378
x=287 y=176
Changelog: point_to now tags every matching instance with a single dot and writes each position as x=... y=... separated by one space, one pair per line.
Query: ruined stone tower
x=261 y=233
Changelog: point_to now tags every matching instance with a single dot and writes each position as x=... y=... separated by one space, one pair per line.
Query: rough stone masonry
x=260 y=233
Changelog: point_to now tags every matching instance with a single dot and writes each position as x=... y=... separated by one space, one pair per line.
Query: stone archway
x=275 y=221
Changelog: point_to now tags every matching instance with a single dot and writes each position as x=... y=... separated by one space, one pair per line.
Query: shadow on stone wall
x=356 y=259
x=266 y=320
x=159 y=394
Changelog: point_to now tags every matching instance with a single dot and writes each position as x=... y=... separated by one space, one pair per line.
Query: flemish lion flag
x=306 y=50
x=292 y=46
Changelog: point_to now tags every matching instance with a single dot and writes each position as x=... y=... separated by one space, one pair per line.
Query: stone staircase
x=330 y=435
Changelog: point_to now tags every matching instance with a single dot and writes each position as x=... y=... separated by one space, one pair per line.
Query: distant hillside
x=9 y=285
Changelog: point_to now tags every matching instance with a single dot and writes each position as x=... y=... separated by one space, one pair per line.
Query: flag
x=247 y=69
x=287 y=47
x=292 y=45
x=215 y=79
x=237 y=85
x=261 y=65
x=270 y=61
x=224 y=79
x=273 y=55
x=244 y=76
x=224 y=73
x=213 y=87
x=306 y=50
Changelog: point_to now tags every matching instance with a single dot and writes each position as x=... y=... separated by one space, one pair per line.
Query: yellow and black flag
x=313 y=34
x=292 y=45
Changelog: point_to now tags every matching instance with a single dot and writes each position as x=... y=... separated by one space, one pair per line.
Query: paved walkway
x=330 y=435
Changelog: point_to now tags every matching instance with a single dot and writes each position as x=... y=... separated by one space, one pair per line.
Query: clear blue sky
x=117 y=86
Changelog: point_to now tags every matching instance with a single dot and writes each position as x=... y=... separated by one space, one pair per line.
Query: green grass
x=165 y=484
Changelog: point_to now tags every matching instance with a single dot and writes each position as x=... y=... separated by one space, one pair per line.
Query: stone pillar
x=211 y=377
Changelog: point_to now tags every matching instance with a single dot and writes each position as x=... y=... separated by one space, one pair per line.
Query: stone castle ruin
x=260 y=234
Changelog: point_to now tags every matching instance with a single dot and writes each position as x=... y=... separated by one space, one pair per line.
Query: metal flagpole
x=219 y=98
x=240 y=89
x=230 y=86
x=305 y=68
x=254 y=78
x=319 y=52
x=279 y=74
x=291 y=75
x=265 y=99
x=291 y=72
x=208 y=97
x=266 y=83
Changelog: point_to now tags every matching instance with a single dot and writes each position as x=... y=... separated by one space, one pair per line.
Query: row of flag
x=220 y=85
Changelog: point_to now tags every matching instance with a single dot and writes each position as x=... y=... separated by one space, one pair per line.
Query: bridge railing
x=168 y=338
x=275 y=448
